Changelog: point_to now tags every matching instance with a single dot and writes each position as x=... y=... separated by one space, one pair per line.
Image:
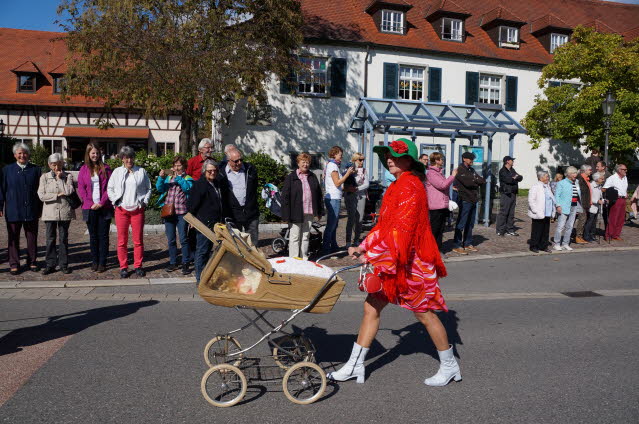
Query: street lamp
x=608 y=107
x=2 y=127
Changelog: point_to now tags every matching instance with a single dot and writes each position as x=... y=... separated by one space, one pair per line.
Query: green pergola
x=417 y=118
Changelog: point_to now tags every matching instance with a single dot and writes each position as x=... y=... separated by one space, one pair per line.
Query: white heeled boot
x=353 y=368
x=448 y=369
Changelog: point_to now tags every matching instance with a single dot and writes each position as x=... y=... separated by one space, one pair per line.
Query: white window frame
x=455 y=34
x=392 y=21
x=413 y=82
x=51 y=143
x=495 y=86
x=554 y=41
x=161 y=147
x=58 y=81
x=309 y=80
x=508 y=36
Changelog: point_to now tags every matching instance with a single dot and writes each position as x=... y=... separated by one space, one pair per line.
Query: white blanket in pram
x=286 y=265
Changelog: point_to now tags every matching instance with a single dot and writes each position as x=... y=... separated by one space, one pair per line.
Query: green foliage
x=39 y=156
x=268 y=171
x=191 y=56
x=602 y=63
x=6 y=153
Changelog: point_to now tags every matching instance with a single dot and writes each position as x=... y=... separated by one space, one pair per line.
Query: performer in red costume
x=405 y=256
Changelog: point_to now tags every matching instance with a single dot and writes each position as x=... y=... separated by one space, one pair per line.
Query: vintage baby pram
x=239 y=276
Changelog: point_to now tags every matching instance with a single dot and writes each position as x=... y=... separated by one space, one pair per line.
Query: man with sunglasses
x=617 y=212
x=241 y=179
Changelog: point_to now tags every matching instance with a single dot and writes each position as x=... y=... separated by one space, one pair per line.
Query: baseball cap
x=507 y=158
x=468 y=155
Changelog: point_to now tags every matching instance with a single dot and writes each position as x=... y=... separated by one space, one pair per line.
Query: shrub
x=268 y=171
x=39 y=156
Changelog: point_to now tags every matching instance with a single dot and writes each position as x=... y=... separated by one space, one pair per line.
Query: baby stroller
x=273 y=198
x=239 y=276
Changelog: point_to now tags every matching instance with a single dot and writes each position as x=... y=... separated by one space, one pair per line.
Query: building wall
x=315 y=124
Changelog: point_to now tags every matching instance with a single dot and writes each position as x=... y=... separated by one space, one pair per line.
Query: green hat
x=398 y=148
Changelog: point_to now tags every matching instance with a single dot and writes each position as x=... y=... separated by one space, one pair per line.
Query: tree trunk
x=185 y=133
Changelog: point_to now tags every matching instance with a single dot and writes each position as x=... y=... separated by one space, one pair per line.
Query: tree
x=572 y=112
x=186 y=56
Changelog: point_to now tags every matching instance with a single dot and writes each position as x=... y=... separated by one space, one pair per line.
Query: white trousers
x=298 y=238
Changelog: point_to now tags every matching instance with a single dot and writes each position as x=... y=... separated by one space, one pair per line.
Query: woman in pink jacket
x=437 y=188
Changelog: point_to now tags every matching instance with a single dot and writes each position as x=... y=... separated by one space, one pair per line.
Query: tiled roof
x=547 y=21
x=34 y=51
x=631 y=34
x=439 y=6
x=378 y=4
x=95 y=132
x=346 y=21
x=599 y=26
x=60 y=69
x=499 y=14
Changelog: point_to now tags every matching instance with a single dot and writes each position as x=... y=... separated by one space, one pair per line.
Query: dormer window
x=27 y=83
x=58 y=82
x=508 y=37
x=392 y=21
x=557 y=40
x=452 y=29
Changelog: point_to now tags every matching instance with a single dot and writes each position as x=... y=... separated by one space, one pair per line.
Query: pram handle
x=330 y=255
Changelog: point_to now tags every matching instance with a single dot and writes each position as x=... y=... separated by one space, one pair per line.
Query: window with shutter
x=391 y=79
x=434 y=84
x=338 y=77
x=472 y=87
x=511 y=94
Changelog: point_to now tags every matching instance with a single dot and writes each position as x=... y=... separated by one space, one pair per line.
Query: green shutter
x=472 y=88
x=511 y=94
x=338 y=77
x=554 y=84
x=434 y=84
x=391 y=80
x=287 y=84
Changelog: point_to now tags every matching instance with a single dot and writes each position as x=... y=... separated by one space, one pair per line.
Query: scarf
x=405 y=227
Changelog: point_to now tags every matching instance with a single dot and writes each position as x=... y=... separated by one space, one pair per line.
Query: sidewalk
x=486 y=240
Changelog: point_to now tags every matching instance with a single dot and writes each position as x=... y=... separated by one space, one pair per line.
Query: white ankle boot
x=448 y=369
x=354 y=368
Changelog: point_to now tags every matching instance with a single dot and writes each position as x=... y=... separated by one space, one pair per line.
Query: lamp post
x=2 y=127
x=608 y=107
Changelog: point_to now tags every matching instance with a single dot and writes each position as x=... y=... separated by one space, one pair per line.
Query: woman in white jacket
x=129 y=190
x=541 y=205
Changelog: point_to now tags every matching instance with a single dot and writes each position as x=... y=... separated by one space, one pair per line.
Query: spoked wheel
x=218 y=348
x=279 y=245
x=304 y=383
x=223 y=385
x=298 y=347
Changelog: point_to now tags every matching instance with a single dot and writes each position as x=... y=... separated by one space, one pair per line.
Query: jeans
x=202 y=252
x=60 y=257
x=170 y=226
x=99 y=224
x=329 y=244
x=355 y=204
x=123 y=220
x=465 y=224
x=564 y=227
x=298 y=238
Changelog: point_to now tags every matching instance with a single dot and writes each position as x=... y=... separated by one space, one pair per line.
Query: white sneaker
x=556 y=247
x=567 y=248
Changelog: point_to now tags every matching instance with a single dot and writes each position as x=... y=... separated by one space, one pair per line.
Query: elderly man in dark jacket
x=241 y=178
x=509 y=181
x=21 y=207
x=206 y=203
x=468 y=183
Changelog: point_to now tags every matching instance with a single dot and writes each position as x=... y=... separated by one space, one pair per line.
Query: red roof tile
x=599 y=26
x=499 y=14
x=346 y=21
x=440 y=6
x=379 y=4
x=60 y=69
x=631 y=34
x=547 y=21
x=94 y=132
x=27 y=66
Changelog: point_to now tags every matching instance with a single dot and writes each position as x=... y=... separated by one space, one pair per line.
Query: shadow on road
x=65 y=325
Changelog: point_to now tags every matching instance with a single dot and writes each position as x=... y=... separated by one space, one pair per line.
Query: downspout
x=368 y=55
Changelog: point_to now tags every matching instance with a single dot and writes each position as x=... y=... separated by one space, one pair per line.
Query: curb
x=159 y=228
x=191 y=280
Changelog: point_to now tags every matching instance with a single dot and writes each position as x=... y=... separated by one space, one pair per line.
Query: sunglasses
x=240 y=160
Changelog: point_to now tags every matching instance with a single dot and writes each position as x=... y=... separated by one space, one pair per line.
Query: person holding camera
x=356 y=191
x=333 y=181
x=174 y=186
x=509 y=181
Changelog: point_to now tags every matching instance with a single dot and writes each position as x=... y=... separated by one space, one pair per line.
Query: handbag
x=74 y=200
x=168 y=210
x=368 y=281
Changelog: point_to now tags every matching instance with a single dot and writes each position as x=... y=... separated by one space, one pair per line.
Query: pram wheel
x=295 y=349
x=218 y=348
x=304 y=383
x=223 y=385
x=279 y=245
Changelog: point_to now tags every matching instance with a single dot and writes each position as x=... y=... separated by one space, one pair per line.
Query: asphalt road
x=542 y=360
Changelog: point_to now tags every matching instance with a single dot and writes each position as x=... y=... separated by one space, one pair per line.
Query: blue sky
x=40 y=14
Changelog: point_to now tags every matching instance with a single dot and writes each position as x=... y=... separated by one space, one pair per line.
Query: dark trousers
x=251 y=228
x=540 y=233
x=589 y=228
x=31 y=233
x=438 y=219
x=465 y=224
x=506 y=217
x=202 y=253
x=60 y=256
x=99 y=225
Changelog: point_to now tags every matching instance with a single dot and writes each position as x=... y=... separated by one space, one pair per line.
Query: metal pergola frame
x=418 y=118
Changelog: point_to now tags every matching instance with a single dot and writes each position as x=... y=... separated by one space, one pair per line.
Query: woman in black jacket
x=301 y=202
